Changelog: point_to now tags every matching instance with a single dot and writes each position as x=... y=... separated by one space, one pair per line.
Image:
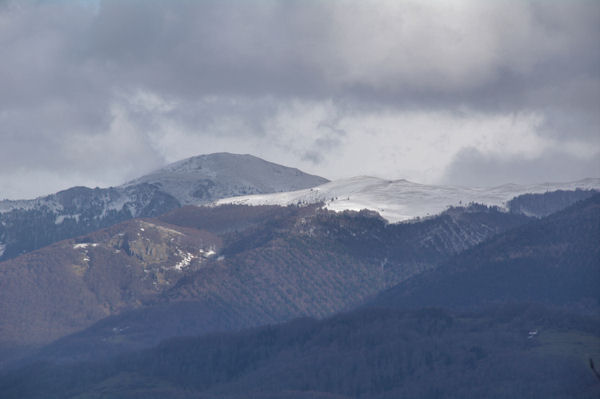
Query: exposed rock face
x=68 y=285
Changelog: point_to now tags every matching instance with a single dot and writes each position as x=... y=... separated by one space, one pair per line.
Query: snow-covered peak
x=401 y=200
x=192 y=181
x=204 y=178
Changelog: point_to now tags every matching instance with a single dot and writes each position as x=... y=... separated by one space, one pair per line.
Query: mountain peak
x=203 y=178
x=197 y=162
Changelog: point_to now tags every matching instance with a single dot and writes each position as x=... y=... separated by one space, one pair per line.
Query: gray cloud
x=98 y=92
x=472 y=168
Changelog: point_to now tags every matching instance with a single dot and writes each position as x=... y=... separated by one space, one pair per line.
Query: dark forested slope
x=374 y=353
x=555 y=260
x=272 y=264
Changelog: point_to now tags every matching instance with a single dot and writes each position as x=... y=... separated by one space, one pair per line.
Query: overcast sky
x=456 y=92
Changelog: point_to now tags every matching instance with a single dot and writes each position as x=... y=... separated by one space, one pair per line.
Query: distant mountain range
x=224 y=178
x=26 y=225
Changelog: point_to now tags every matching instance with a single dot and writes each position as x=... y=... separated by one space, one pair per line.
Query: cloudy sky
x=457 y=92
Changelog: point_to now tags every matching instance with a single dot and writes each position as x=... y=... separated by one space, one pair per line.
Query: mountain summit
x=205 y=178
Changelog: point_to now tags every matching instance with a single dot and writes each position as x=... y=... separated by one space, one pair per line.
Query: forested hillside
x=555 y=260
x=518 y=351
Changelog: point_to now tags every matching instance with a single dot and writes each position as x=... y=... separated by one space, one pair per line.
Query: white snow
x=210 y=253
x=401 y=200
x=49 y=202
x=207 y=253
x=197 y=180
x=2 y=249
x=193 y=181
x=61 y=218
x=186 y=259
x=84 y=245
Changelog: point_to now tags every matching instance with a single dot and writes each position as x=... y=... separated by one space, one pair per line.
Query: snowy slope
x=204 y=178
x=400 y=200
x=192 y=181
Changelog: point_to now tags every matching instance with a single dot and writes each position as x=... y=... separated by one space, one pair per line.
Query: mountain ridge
x=277 y=264
x=402 y=200
x=554 y=260
x=30 y=224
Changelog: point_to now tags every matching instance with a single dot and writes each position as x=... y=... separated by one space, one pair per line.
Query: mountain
x=554 y=260
x=401 y=200
x=26 y=225
x=518 y=293
x=206 y=178
x=279 y=263
x=199 y=270
x=202 y=269
x=68 y=285
x=540 y=205
x=517 y=351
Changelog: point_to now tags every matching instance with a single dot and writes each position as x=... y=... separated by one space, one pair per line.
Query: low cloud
x=473 y=168
x=99 y=92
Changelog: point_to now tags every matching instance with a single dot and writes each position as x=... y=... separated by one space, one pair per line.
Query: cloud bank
x=462 y=92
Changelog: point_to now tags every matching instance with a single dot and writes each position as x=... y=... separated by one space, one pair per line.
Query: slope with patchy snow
x=29 y=224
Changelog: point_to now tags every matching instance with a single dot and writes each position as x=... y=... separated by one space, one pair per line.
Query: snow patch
x=207 y=253
x=85 y=245
x=186 y=259
x=61 y=218
x=161 y=229
x=2 y=249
